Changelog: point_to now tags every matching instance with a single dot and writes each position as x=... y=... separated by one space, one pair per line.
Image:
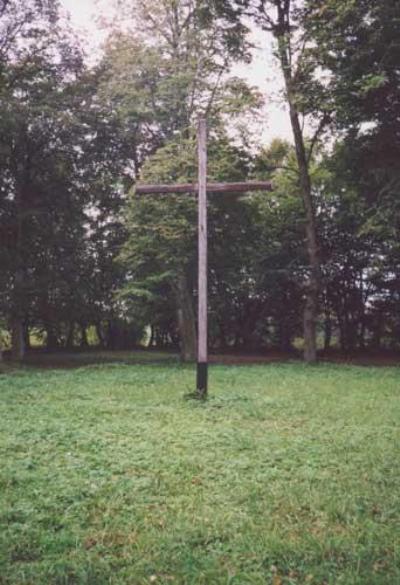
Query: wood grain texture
x=210 y=188
x=202 y=236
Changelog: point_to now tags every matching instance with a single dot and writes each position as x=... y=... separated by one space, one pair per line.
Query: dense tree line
x=316 y=260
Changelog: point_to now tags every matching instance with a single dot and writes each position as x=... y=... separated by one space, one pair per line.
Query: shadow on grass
x=42 y=359
x=78 y=359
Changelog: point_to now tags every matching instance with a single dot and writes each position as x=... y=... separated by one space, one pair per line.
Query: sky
x=262 y=72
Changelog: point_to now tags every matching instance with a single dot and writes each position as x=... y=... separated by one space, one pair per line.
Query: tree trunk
x=100 y=335
x=310 y=325
x=17 y=339
x=109 y=335
x=186 y=319
x=377 y=331
x=223 y=345
x=285 y=338
x=312 y=285
x=84 y=339
x=342 y=338
x=361 y=335
x=27 y=339
x=17 y=320
x=119 y=337
x=361 y=316
x=151 y=340
x=327 y=331
x=69 y=343
x=17 y=314
x=51 y=339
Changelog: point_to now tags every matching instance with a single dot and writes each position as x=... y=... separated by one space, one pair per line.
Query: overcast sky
x=262 y=72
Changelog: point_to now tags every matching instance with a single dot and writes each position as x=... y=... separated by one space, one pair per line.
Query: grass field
x=287 y=475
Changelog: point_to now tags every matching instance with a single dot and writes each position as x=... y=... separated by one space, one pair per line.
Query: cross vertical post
x=202 y=354
x=202 y=188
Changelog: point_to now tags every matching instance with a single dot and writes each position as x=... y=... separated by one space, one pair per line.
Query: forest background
x=314 y=265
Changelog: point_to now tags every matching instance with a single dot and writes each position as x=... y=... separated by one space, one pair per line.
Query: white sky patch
x=87 y=17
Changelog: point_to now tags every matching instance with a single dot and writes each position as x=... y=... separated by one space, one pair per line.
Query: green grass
x=287 y=475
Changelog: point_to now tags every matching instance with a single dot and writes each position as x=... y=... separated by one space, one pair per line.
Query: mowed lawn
x=287 y=475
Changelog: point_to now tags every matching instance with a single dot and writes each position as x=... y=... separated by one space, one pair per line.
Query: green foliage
x=246 y=284
x=161 y=236
x=358 y=45
x=61 y=182
x=171 y=64
x=74 y=140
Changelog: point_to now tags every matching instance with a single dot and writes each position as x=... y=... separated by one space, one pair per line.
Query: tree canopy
x=313 y=265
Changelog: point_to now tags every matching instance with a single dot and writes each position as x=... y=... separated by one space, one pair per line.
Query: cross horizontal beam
x=211 y=188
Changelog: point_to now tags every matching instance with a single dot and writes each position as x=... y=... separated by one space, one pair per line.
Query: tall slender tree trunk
x=27 y=337
x=151 y=340
x=312 y=285
x=17 y=339
x=51 y=338
x=362 y=327
x=361 y=335
x=69 y=343
x=222 y=336
x=17 y=319
x=84 y=339
x=285 y=344
x=100 y=335
x=327 y=330
x=186 y=319
x=17 y=316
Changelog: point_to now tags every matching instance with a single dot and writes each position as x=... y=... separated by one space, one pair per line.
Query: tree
x=62 y=183
x=28 y=45
x=161 y=247
x=285 y=20
x=159 y=79
x=356 y=43
x=169 y=67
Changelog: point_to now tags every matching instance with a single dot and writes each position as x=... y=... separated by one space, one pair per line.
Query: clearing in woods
x=286 y=475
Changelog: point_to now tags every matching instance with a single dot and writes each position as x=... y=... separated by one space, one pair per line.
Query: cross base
x=202 y=379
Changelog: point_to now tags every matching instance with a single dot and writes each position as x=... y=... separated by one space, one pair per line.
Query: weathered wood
x=210 y=188
x=202 y=275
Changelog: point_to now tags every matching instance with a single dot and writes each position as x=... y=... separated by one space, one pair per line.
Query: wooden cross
x=202 y=188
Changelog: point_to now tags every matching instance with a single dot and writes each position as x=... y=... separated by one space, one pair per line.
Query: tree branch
x=321 y=126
